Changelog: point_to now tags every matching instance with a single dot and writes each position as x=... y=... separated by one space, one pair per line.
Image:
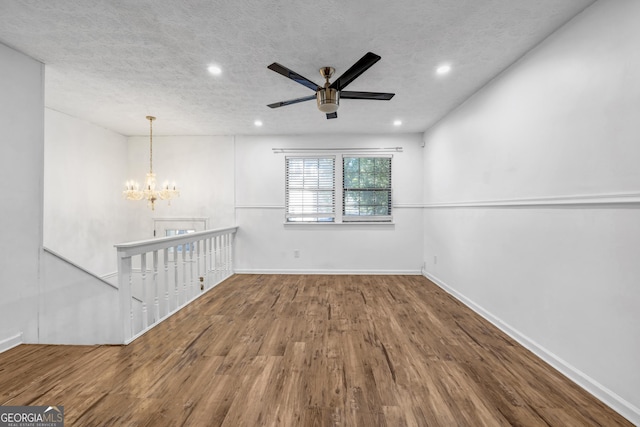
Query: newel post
x=124 y=290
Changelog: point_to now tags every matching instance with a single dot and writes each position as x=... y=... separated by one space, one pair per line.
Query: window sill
x=358 y=224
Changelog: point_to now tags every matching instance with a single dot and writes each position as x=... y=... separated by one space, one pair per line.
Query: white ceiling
x=114 y=62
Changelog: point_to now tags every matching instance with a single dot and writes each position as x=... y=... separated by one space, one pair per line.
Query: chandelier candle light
x=149 y=191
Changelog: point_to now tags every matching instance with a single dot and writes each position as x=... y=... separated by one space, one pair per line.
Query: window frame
x=307 y=218
x=338 y=193
x=368 y=218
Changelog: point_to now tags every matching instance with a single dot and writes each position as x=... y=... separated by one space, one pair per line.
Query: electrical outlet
x=435 y=259
x=296 y=253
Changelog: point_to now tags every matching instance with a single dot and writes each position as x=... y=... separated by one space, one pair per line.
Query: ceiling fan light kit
x=328 y=96
x=328 y=100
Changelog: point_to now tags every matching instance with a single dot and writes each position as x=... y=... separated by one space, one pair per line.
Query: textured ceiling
x=114 y=62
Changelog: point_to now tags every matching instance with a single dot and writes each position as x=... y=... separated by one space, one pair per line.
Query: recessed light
x=443 y=69
x=215 y=70
x=397 y=122
x=258 y=123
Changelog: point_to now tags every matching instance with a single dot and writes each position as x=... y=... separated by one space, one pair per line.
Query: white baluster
x=217 y=256
x=131 y=305
x=198 y=256
x=176 y=283
x=227 y=252
x=156 y=300
x=208 y=256
x=143 y=271
x=192 y=284
x=165 y=257
x=184 y=273
x=223 y=256
x=231 y=245
x=211 y=264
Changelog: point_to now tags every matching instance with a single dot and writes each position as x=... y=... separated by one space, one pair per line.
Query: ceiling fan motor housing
x=328 y=99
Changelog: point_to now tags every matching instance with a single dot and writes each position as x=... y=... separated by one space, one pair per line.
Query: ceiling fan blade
x=356 y=69
x=291 y=101
x=366 y=95
x=280 y=69
x=333 y=115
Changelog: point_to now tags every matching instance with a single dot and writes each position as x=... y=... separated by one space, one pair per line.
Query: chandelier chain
x=151 y=119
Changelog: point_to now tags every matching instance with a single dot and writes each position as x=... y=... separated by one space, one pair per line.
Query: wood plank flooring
x=296 y=350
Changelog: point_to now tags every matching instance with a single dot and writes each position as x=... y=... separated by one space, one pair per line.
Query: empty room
x=261 y=213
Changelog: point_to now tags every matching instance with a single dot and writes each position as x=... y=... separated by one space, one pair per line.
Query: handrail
x=142 y=246
x=73 y=264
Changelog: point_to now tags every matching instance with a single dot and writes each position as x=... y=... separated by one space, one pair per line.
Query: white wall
x=21 y=122
x=77 y=308
x=265 y=244
x=240 y=181
x=202 y=167
x=84 y=212
x=533 y=193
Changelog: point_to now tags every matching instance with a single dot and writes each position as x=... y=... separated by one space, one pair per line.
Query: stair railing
x=158 y=277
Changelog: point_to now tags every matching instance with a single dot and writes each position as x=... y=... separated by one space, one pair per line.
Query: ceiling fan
x=328 y=96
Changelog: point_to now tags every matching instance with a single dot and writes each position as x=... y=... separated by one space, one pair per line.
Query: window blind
x=310 y=189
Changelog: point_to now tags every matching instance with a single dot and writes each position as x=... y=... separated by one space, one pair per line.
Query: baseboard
x=336 y=272
x=617 y=403
x=10 y=342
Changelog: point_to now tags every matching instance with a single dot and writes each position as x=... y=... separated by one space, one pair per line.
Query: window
x=175 y=232
x=364 y=190
x=310 y=189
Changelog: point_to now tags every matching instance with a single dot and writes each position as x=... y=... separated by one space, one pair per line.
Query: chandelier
x=149 y=192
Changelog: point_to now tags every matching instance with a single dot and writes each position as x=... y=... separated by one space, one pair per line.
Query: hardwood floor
x=292 y=350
